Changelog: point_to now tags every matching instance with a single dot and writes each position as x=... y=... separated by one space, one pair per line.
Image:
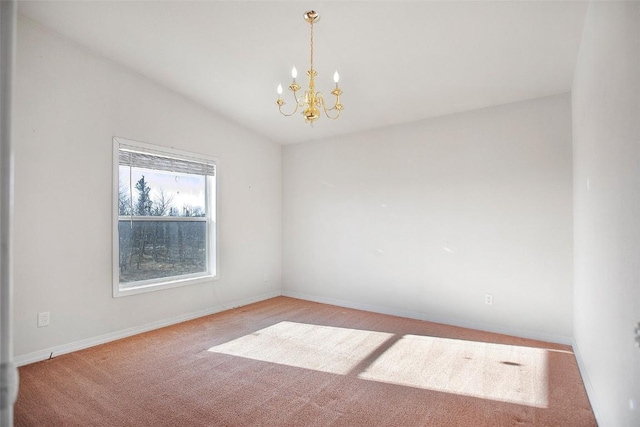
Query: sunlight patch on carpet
x=498 y=372
x=321 y=348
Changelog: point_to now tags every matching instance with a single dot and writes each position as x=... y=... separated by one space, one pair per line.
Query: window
x=164 y=231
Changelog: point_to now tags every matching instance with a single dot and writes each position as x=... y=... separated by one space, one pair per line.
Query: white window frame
x=212 y=271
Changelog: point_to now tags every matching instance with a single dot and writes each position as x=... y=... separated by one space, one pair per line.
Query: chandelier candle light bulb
x=311 y=101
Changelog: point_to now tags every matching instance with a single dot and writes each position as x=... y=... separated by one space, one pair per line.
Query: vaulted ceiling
x=399 y=61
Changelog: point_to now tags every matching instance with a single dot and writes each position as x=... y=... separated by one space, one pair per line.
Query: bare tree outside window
x=154 y=249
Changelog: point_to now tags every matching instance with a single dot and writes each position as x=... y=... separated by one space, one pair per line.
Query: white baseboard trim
x=591 y=392
x=44 y=354
x=40 y=355
x=558 y=339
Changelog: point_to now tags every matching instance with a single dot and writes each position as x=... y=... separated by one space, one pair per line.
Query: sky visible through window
x=184 y=191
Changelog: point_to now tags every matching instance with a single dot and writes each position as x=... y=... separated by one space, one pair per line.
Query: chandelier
x=311 y=101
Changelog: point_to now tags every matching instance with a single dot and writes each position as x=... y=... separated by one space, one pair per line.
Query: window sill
x=119 y=291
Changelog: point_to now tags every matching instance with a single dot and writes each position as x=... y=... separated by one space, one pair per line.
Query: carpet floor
x=288 y=362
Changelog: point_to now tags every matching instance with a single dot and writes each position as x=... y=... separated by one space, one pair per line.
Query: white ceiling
x=399 y=61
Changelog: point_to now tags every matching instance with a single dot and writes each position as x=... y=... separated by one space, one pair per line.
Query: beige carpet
x=286 y=362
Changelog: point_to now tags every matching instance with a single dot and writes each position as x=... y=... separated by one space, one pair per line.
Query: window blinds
x=133 y=157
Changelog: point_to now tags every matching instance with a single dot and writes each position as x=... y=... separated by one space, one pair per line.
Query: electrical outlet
x=265 y=278
x=488 y=299
x=43 y=319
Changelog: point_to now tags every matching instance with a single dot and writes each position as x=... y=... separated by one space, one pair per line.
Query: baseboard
x=40 y=355
x=591 y=392
x=558 y=339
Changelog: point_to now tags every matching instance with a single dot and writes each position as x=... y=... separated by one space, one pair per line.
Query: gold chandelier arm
x=281 y=102
x=336 y=106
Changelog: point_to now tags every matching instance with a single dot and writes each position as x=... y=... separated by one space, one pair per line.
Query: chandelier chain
x=312 y=45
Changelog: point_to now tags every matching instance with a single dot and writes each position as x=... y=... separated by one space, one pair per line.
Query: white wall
x=606 y=126
x=69 y=105
x=424 y=219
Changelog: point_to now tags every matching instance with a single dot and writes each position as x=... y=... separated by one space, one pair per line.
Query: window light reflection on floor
x=321 y=348
x=505 y=373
